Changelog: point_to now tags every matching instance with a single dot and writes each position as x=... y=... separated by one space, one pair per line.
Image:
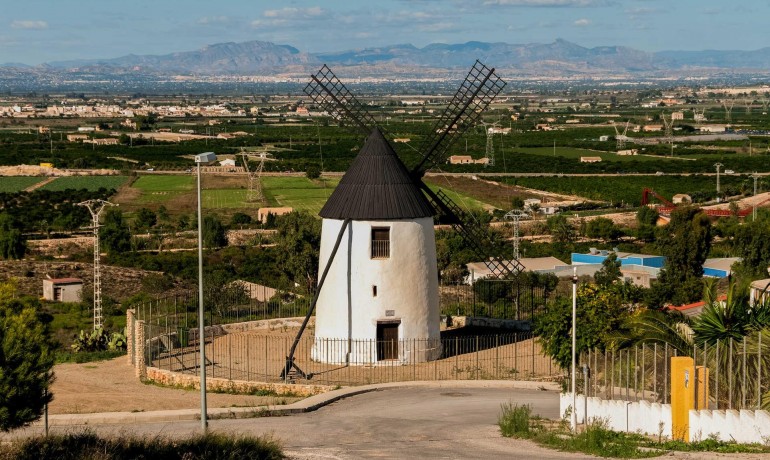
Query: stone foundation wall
x=168 y=378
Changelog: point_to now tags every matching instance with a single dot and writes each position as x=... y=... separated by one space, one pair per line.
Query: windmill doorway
x=387 y=340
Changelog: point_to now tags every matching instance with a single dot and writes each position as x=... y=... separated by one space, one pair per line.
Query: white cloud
x=582 y=22
x=213 y=20
x=546 y=3
x=35 y=25
x=295 y=13
x=437 y=27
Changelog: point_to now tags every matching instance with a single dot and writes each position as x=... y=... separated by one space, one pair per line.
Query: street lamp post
x=207 y=157
x=573 y=419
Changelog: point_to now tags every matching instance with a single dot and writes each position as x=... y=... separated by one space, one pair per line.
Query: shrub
x=514 y=420
x=89 y=445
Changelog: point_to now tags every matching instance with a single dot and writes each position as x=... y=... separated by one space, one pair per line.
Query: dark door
x=387 y=341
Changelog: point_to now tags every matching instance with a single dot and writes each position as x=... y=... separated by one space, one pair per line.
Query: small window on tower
x=374 y=291
x=380 y=243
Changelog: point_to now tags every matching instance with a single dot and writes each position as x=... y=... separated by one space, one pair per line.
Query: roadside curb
x=310 y=404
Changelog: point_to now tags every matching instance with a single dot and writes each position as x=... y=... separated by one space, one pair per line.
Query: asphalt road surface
x=399 y=423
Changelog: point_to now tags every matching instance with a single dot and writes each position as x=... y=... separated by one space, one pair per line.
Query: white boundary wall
x=642 y=416
x=745 y=426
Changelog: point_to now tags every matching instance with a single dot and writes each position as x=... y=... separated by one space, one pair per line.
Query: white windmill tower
x=382 y=285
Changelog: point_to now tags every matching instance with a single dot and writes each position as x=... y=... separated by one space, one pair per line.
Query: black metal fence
x=737 y=376
x=503 y=299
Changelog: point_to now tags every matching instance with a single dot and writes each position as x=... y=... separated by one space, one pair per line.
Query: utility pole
x=754 y=176
x=95 y=207
x=718 y=165
x=516 y=217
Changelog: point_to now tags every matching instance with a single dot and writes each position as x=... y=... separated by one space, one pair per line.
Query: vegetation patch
x=12 y=184
x=91 y=183
x=300 y=193
x=596 y=439
x=89 y=445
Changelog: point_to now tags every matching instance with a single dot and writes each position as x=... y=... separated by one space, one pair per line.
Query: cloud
x=213 y=20
x=295 y=13
x=582 y=22
x=34 y=25
x=437 y=27
x=547 y=3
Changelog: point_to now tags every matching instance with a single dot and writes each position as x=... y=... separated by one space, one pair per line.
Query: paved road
x=399 y=423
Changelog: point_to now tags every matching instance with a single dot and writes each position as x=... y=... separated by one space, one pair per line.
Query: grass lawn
x=85 y=182
x=11 y=184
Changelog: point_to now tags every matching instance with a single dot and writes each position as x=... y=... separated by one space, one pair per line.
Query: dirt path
x=40 y=184
x=111 y=386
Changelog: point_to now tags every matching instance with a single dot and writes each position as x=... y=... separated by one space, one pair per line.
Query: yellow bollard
x=683 y=384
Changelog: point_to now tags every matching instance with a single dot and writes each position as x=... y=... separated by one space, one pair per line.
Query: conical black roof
x=377 y=186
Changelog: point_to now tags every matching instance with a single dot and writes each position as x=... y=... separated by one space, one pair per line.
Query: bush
x=88 y=445
x=99 y=340
x=514 y=420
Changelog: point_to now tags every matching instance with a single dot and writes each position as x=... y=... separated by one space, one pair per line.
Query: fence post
x=730 y=375
x=759 y=369
x=743 y=383
x=716 y=376
x=141 y=369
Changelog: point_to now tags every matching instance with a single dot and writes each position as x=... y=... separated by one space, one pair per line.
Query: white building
x=381 y=291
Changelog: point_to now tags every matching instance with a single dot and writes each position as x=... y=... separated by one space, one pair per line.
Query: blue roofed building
x=597 y=256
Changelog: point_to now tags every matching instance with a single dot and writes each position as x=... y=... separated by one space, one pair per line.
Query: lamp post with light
x=206 y=157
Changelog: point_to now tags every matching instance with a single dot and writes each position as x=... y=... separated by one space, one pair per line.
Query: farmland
x=299 y=193
x=628 y=189
x=85 y=182
x=14 y=184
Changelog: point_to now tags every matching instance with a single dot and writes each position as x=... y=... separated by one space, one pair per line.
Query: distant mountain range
x=558 y=58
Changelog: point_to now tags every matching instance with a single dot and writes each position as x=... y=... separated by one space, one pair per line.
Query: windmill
x=401 y=211
x=620 y=138
x=490 y=132
x=255 y=177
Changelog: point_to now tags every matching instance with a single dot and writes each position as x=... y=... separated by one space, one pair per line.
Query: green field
x=12 y=184
x=465 y=202
x=227 y=198
x=164 y=183
x=85 y=182
x=160 y=189
x=628 y=189
x=299 y=193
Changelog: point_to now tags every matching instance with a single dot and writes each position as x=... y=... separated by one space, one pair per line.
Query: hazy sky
x=35 y=31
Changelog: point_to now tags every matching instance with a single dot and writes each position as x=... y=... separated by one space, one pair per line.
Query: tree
x=240 y=218
x=600 y=312
x=298 y=242
x=214 y=235
x=26 y=361
x=602 y=228
x=610 y=271
x=13 y=244
x=752 y=244
x=114 y=235
x=647 y=216
x=517 y=202
x=313 y=172
x=685 y=244
x=145 y=219
x=561 y=230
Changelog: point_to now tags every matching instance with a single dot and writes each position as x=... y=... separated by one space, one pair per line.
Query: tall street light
x=206 y=157
x=718 y=165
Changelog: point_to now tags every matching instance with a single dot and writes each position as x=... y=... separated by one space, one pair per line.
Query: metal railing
x=380 y=249
x=261 y=356
x=738 y=372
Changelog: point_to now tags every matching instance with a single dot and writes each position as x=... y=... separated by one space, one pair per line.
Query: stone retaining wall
x=173 y=379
